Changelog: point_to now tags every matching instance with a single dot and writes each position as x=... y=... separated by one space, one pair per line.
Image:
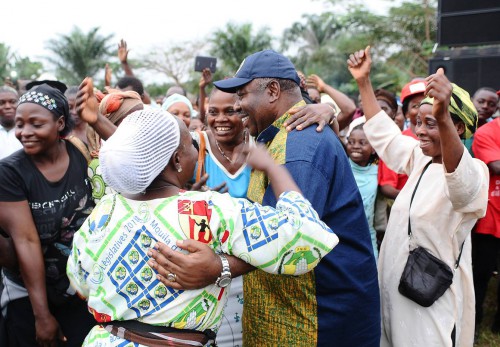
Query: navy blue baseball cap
x=263 y=64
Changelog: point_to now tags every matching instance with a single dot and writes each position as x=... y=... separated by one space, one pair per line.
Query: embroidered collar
x=270 y=132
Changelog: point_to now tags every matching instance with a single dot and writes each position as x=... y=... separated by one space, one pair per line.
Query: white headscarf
x=175 y=98
x=139 y=150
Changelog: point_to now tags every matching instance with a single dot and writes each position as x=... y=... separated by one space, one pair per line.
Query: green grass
x=486 y=337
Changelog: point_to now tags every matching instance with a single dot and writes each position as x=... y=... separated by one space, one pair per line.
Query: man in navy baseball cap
x=263 y=64
x=338 y=303
x=267 y=87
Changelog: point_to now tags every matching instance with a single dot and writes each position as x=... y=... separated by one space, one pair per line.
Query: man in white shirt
x=8 y=104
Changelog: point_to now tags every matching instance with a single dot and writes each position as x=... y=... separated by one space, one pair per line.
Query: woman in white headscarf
x=179 y=106
x=148 y=160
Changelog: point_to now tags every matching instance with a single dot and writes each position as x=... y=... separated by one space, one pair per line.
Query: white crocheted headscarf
x=139 y=150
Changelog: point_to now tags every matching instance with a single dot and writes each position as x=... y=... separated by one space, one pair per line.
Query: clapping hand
x=316 y=82
x=86 y=102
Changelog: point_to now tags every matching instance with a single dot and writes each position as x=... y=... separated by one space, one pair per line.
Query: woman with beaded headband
x=44 y=198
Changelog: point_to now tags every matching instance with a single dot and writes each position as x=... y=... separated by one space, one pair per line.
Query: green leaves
x=233 y=43
x=401 y=42
x=79 y=54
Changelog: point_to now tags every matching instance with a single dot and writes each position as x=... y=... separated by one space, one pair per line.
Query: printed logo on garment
x=299 y=261
x=192 y=316
x=194 y=219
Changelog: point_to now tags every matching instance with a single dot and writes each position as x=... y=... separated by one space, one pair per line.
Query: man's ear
x=274 y=90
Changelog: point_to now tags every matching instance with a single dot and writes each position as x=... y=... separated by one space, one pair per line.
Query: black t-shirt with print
x=58 y=208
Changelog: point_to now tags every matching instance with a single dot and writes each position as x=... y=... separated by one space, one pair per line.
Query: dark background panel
x=447 y=6
x=470 y=73
x=468 y=22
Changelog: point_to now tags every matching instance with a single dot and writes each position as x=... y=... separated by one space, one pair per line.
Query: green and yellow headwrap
x=461 y=107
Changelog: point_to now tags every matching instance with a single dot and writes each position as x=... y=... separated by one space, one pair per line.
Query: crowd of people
x=271 y=211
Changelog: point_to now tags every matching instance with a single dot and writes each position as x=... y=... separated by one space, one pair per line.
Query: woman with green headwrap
x=451 y=196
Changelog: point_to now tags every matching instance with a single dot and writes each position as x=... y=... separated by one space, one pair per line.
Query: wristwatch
x=225 y=276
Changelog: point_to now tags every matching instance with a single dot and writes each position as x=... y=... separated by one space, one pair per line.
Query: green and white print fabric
x=108 y=263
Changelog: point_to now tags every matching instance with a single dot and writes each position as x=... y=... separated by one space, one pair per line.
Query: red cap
x=412 y=88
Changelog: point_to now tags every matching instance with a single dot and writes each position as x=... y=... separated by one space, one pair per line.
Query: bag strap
x=201 y=156
x=457 y=262
x=80 y=145
x=459 y=255
x=413 y=194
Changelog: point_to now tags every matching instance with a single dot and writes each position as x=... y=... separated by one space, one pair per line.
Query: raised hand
x=359 y=64
x=206 y=78
x=122 y=51
x=259 y=158
x=439 y=88
x=316 y=82
x=86 y=102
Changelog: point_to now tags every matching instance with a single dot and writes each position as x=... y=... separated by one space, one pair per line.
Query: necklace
x=222 y=152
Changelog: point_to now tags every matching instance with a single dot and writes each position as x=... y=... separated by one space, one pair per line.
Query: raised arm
x=88 y=110
x=202 y=266
x=439 y=88
x=123 y=57
x=259 y=159
x=359 y=64
x=205 y=80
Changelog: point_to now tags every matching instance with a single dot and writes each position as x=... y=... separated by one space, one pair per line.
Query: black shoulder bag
x=425 y=278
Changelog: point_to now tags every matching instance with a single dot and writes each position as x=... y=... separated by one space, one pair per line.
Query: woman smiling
x=439 y=215
x=44 y=198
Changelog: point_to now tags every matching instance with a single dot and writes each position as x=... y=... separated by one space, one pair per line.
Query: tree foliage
x=79 y=54
x=5 y=64
x=235 y=42
x=27 y=69
x=414 y=48
x=401 y=42
x=14 y=67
